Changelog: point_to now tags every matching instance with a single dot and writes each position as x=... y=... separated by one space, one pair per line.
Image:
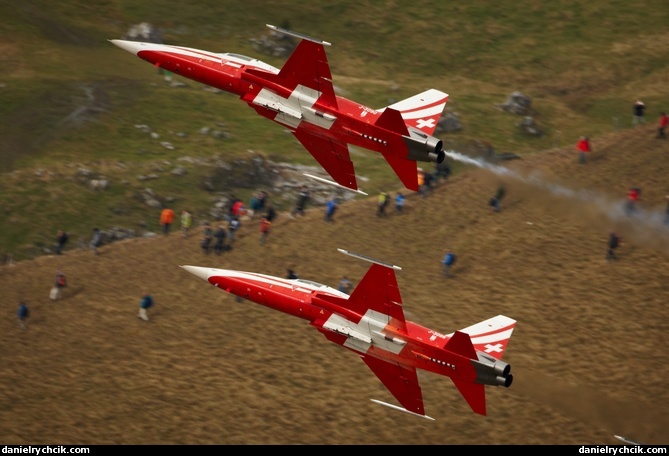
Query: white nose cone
x=198 y=271
x=132 y=47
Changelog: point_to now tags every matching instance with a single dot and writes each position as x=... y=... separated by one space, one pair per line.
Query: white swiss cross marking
x=422 y=123
x=493 y=348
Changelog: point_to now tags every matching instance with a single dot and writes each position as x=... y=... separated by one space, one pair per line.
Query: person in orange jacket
x=265 y=226
x=166 y=219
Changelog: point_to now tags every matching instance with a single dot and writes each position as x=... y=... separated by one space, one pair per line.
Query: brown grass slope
x=587 y=352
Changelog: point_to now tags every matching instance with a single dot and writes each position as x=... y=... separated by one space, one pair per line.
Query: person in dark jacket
x=23 y=314
x=96 y=240
x=639 y=117
x=220 y=235
x=144 y=305
x=207 y=236
x=302 y=198
x=612 y=245
x=496 y=201
x=61 y=240
x=271 y=213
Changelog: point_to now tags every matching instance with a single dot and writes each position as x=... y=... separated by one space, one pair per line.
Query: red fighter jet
x=301 y=97
x=370 y=322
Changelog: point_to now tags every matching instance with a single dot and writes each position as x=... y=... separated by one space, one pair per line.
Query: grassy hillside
x=70 y=99
x=586 y=353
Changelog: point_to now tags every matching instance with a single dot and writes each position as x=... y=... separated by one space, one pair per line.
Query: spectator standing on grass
x=662 y=126
x=382 y=202
x=421 y=181
x=638 y=117
x=220 y=235
x=96 y=240
x=166 y=219
x=207 y=237
x=291 y=274
x=442 y=171
x=632 y=199
x=271 y=213
x=345 y=285
x=265 y=226
x=613 y=243
x=583 y=148
x=496 y=201
x=145 y=304
x=238 y=209
x=61 y=240
x=58 y=284
x=233 y=226
x=301 y=203
x=186 y=222
x=23 y=313
x=257 y=203
x=447 y=263
x=399 y=202
x=330 y=208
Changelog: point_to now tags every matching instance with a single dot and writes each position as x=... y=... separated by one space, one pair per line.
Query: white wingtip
x=329 y=182
x=401 y=409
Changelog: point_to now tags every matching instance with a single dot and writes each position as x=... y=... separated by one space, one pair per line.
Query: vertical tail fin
x=422 y=111
x=492 y=335
x=415 y=119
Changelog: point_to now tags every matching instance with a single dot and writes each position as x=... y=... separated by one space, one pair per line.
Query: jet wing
x=333 y=156
x=378 y=291
x=307 y=66
x=401 y=381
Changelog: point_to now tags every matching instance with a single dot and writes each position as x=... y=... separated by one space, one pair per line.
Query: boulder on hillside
x=517 y=103
x=143 y=32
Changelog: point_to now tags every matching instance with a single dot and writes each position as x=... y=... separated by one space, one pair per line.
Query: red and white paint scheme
x=371 y=323
x=301 y=97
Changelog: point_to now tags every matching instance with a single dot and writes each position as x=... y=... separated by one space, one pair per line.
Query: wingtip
x=401 y=409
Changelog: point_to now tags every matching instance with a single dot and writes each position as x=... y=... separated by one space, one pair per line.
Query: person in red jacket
x=632 y=198
x=661 y=129
x=583 y=148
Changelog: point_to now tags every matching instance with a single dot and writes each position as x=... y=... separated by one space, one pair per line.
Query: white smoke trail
x=650 y=221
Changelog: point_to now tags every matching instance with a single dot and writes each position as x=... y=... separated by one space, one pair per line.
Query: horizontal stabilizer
x=474 y=394
x=406 y=170
x=401 y=381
